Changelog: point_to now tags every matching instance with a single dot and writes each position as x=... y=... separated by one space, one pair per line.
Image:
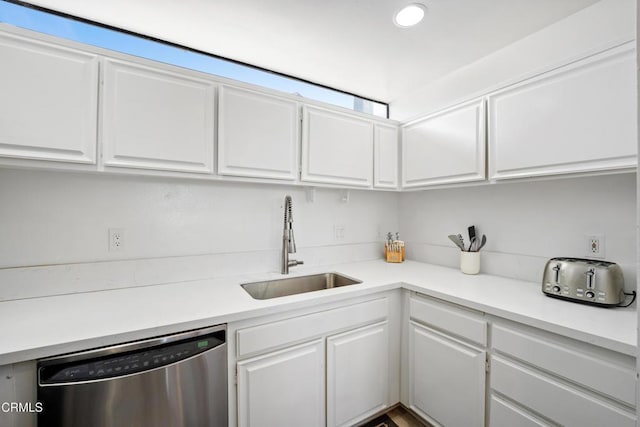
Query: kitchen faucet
x=288 y=241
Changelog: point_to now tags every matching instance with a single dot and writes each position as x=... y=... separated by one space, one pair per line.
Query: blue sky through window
x=71 y=29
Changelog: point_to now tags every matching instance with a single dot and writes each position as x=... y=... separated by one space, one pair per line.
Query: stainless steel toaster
x=584 y=280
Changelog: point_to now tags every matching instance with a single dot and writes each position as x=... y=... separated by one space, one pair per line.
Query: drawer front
x=559 y=402
x=590 y=369
x=257 y=339
x=505 y=414
x=462 y=323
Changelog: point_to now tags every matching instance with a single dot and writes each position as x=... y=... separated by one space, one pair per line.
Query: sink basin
x=297 y=285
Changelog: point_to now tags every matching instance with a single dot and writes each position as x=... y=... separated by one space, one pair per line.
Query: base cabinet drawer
x=594 y=368
x=505 y=414
x=555 y=400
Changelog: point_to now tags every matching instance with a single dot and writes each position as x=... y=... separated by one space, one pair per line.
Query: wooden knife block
x=394 y=256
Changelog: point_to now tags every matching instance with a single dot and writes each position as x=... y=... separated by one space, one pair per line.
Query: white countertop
x=41 y=327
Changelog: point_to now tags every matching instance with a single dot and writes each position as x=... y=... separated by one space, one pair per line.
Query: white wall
x=601 y=25
x=526 y=223
x=63 y=218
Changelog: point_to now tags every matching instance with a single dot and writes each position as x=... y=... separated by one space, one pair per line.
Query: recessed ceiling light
x=409 y=15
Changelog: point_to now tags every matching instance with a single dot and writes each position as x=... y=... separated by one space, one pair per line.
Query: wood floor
x=403 y=418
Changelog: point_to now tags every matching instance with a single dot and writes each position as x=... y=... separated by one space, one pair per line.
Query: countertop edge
x=439 y=282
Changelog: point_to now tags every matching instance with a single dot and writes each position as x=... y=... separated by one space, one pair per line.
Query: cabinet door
x=446 y=147
x=385 y=171
x=578 y=118
x=257 y=135
x=446 y=379
x=48 y=101
x=336 y=148
x=357 y=374
x=155 y=119
x=285 y=388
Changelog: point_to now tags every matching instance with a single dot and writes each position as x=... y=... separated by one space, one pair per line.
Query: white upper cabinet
x=48 y=101
x=385 y=170
x=578 y=118
x=337 y=148
x=257 y=135
x=446 y=147
x=157 y=119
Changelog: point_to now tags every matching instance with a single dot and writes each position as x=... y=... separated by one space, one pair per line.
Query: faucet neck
x=288 y=240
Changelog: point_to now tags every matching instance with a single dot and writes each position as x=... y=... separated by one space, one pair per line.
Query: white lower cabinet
x=506 y=414
x=539 y=378
x=283 y=388
x=333 y=367
x=18 y=384
x=357 y=374
x=447 y=379
x=446 y=363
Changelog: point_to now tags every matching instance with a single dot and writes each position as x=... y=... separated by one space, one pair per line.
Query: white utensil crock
x=470 y=262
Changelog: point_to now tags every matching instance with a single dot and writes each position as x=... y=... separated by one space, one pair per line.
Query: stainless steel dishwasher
x=173 y=381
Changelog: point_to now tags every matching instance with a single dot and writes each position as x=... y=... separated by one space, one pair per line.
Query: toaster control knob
x=556 y=288
x=590 y=294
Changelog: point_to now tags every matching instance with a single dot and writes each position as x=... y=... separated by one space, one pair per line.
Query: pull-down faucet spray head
x=288 y=241
x=288 y=225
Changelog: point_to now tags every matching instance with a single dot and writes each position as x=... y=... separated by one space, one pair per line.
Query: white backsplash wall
x=526 y=223
x=63 y=218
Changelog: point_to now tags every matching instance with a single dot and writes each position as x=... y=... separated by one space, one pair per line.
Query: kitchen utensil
x=472 y=234
x=482 y=243
x=457 y=241
x=461 y=241
x=473 y=241
x=584 y=280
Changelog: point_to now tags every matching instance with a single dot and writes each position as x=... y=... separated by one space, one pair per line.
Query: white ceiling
x=351 y=45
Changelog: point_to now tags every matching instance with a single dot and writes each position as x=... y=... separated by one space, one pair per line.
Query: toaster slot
x=591 y=278
x=557 y=271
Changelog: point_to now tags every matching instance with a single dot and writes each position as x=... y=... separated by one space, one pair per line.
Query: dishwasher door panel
x=188 y=393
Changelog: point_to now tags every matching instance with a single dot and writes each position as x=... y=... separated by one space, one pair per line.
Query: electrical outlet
x=338 y=232
x=595 y=246
x=116 y=239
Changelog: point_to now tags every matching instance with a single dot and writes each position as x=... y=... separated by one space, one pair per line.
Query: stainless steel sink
x=297 y=285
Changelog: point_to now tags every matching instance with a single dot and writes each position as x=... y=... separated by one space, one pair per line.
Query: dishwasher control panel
x=126 y=363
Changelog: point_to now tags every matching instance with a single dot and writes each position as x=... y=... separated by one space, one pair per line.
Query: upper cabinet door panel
x=48 y=101
x=155 y=119
x=581 y=117
x=257 y=135
x=385 y=171
x=336 y=148
x=446 y=147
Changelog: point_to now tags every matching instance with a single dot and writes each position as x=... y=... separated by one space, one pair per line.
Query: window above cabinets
x=102 y=36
